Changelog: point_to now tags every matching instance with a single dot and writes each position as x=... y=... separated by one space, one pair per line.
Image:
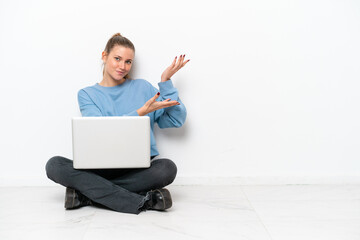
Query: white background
x=272 y=88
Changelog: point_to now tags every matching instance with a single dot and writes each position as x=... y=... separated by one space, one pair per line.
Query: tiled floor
x=199 y=212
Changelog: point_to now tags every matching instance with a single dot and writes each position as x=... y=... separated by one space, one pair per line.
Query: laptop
x=111 y=142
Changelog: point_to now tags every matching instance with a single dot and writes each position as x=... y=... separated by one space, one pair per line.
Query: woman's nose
x=122 y=65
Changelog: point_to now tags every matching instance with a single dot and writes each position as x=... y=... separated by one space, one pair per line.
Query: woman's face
x=118 y=62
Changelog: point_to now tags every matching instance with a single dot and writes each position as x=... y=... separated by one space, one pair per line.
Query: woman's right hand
x=153 y=105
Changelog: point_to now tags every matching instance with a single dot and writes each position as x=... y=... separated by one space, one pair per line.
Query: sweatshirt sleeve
x=87 y=107
x=172 y=116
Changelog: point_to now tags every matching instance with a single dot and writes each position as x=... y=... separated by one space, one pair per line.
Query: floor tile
x=307 y=212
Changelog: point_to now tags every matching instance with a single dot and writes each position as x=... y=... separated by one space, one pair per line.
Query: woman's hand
x=173 y=68
x=153 y=105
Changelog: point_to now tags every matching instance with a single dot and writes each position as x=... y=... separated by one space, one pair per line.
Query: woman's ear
x=104 y=56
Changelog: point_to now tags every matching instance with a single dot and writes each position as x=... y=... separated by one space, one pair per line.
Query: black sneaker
x=74 y=199
x=159 y=199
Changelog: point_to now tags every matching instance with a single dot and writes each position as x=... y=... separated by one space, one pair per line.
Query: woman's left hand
x=173 y=68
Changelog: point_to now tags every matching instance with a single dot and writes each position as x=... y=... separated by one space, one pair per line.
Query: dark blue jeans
x=117 y=189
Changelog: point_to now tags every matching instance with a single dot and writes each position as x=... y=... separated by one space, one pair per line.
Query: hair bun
x=117 y=34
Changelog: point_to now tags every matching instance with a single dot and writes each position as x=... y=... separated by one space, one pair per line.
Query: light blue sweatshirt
x=126 y=98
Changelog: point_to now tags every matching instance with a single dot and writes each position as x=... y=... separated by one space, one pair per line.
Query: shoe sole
x=69 y=198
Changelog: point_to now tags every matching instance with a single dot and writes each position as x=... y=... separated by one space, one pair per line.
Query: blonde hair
x=115 y=40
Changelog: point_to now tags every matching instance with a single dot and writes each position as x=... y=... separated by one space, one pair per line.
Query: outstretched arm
x=153 y=105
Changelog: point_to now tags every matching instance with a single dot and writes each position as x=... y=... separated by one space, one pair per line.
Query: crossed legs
x=117 y=189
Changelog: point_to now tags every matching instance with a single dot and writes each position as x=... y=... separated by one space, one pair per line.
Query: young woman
x=124 y=190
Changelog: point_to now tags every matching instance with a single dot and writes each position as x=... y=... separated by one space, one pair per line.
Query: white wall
x=272 y=88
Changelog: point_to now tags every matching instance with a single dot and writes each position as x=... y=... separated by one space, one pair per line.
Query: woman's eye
x=117 y=59
x=128 y=62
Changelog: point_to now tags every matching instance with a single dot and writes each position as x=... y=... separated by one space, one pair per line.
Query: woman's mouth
x=120 y=73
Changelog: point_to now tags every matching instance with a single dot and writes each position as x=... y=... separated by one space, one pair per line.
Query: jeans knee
x=53 y=166
x=170 y=170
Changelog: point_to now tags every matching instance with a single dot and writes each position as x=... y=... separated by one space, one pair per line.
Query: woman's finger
x=172 y=103
x=173 y=63
x=185 y=62
x=156 y=96
x=182 y=64
x=179 y=62
x=169 y=104
x=182 y=59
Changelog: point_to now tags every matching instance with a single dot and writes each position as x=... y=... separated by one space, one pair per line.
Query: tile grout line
x=257 y=215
